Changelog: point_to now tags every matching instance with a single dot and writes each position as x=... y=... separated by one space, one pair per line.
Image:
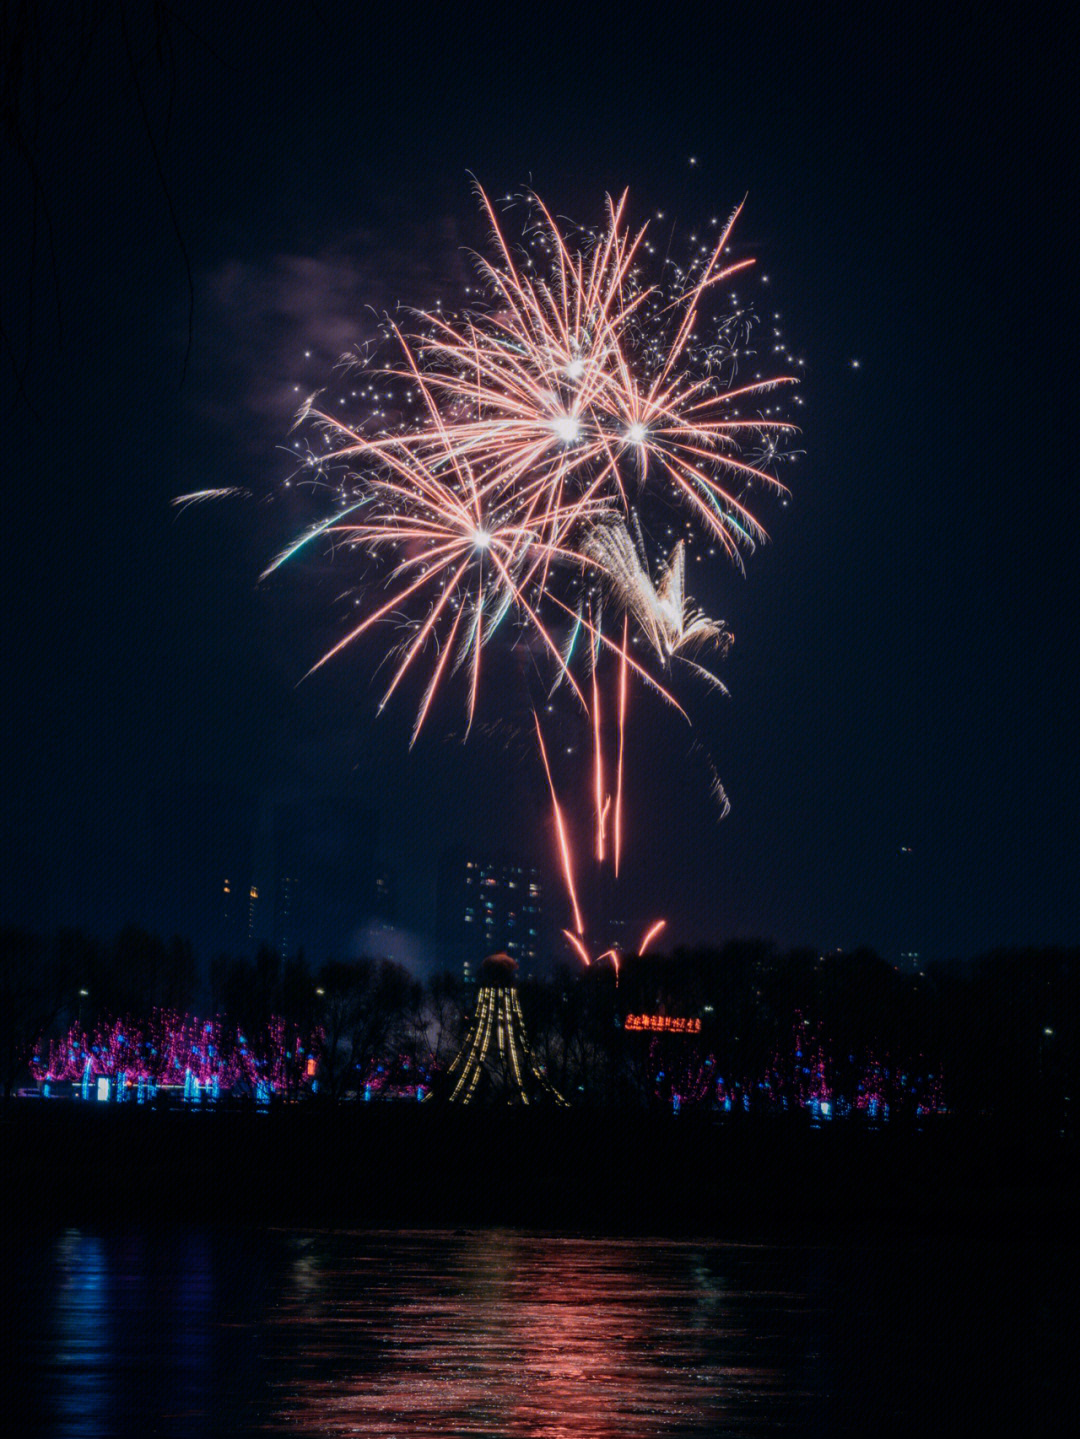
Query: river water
x=503 y=1333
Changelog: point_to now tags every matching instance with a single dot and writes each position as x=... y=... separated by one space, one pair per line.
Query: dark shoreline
x=381 y=1166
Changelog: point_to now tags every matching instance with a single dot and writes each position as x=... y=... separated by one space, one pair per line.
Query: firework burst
x=461 y=547
x=515 y=456
x=570 y=399
x=664 y=613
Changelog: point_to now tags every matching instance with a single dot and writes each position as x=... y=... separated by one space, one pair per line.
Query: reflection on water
x=507 y=1334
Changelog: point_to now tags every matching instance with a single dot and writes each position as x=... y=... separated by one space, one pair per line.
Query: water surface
x=500 y=1333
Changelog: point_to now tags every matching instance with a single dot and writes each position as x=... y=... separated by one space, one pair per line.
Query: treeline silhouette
x=996 y=1036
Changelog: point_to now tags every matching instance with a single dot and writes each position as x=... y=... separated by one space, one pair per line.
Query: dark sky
x=905 y=672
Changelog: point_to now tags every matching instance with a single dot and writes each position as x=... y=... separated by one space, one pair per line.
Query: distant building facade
x=253 y=913
x=313 y=874
x=287 y=916
x=306 y=879
x=489 y=904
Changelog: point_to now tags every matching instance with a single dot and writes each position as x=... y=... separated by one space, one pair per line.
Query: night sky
x=904 y=675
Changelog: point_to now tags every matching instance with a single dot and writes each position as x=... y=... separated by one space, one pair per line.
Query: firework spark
x=197 y=497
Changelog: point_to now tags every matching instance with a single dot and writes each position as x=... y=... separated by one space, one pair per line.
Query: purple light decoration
x=803 y=1075
x=204 y=1060
x=199 y=1057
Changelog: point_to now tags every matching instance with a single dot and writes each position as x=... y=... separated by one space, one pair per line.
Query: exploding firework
x=514 y=460
x=663 y=612
x=528 y=435
x=469 y=553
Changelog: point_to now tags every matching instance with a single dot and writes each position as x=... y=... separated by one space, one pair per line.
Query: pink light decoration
x=169 y=1046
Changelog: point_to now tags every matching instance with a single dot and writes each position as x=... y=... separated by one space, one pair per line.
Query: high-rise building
x=253 y=912
x=314 y=857
x=384 y=895
x=231 y=922
x=489 y=904
x=230 y=907
x=286 y=916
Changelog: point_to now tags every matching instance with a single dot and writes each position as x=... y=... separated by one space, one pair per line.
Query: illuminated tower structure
x=495 y=1064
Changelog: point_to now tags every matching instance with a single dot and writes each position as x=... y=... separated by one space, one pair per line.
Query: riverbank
x=376 y=1165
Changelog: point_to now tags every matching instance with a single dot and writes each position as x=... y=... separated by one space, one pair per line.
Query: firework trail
x=564 y=843
x=650 y=934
